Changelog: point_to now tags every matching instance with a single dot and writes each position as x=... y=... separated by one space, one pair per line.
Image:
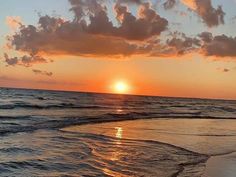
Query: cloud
x=14 y=22
x=36 y=71
x=25 y=60
x=169 y=4
x=69 y=38
x=90 y=33
x=204 y=43
x=83 y=7
x=224 y=70
x=42 y=82
x=181 y=44
x=219 y=46
x=190 y=3
x=206 y=37
x=147 y=24
x=211 y=16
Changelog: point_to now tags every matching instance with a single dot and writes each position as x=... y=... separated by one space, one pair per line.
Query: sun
x=121 y=87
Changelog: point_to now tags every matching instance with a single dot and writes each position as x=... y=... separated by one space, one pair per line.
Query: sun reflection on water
x=119 y=110
x=115 y=155
x=119 y=132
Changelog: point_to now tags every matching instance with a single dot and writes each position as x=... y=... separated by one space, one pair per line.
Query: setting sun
x=121 y=87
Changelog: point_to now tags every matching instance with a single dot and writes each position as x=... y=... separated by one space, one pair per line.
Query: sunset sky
x=181 y=48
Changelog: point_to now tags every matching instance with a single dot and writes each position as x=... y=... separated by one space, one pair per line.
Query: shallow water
x=39 y=136
x=216 y=138
x=204 y=136
x=56 y=153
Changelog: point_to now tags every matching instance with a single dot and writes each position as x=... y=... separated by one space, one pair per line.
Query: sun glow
x=121 y=87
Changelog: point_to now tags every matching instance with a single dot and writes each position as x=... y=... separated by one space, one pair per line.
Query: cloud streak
x=223 y=70
x=25 y=60
x=39 y=72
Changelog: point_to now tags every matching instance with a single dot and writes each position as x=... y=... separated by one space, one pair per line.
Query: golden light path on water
x=119 y=132
x=115 y=155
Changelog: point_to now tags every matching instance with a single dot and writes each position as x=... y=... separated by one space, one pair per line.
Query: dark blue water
x=34 y=144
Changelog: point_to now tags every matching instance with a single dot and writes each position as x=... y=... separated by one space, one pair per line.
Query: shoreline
x=87 y=121
x=187 y=129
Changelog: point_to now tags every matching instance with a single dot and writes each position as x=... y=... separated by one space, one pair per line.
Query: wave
x=98 y=155
x=16 y=150
x=61 y=106
x=36 y=123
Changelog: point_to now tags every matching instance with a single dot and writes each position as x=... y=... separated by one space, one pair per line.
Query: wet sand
x=216 y=138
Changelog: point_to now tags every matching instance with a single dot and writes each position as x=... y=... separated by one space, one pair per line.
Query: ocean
x=35 y=140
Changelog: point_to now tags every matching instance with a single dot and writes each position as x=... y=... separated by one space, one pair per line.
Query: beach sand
x=216 y=138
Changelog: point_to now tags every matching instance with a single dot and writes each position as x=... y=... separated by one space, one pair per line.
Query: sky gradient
x=183 y=48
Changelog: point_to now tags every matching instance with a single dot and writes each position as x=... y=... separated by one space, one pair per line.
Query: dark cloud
x=94 y=37
x=219 y=46
x=25 y=60
x=46 y=73
x=211 y=16
x=224 y=70
x=179 y=44
x=183 y=44
x=169 y=4
x=204 y=43
x=69 y=38
x=206 y=37
x=11 y=61
x=82 y=8
x=147 y=24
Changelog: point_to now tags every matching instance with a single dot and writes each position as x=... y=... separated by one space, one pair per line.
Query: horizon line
x=125 y=94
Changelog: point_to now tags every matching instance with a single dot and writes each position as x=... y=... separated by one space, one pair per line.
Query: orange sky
x=146 y=53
